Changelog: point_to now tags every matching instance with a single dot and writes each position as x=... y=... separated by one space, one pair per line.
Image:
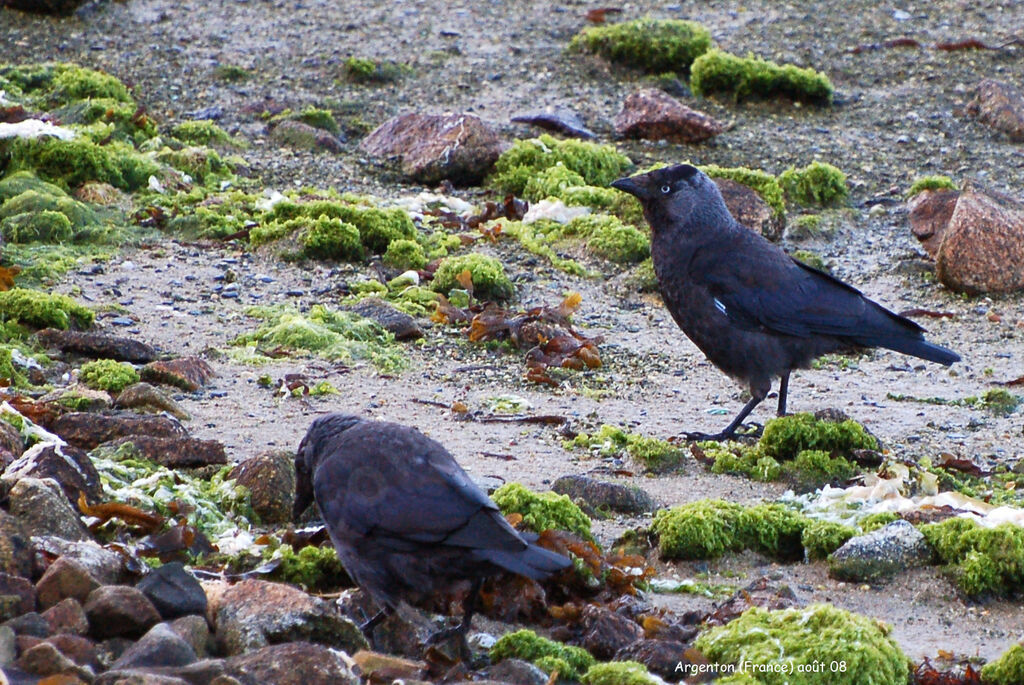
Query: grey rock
x=15 y=547
x=66 y=616
x=302 y=136
x=161 y=646
x=193 y=630
x=517 y=672
x=31 y=624
x=1000 y=106
x=174 y=591
x=120 y=611
x=295 y=663
x=97 y=345
x=87 y=430
x=604 y=496
x=8 y=648
x=17 y=596
x=143 y=397
x=69 y=466
x=42 y=507
x=105 y=565
x=66 y=577
x=880 y=554
x=402 y=325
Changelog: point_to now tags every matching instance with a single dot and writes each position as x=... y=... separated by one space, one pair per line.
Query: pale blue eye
x=666 y=189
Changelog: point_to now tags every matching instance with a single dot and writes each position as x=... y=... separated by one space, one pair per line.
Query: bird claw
x=747 y=430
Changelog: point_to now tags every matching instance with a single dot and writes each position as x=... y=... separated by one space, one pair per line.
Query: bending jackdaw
x=405 y=518
x=752 y=310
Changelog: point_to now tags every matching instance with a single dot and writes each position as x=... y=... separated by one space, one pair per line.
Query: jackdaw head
x=673 y=195
x=312 y=448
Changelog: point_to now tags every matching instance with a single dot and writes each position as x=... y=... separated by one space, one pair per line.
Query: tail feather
x=533 y=562
x=894 y=332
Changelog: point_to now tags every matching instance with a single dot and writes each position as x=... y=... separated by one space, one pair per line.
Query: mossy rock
x=327 y=238
x=18 y=182
x=9 y=372
x=127 y=122
x=811 y=469
x=817 y=635
x=43 y=310
x=930 y=183
x=1008 y=669
x=529 y=646
x=202 y=132
x=597 y=164
x=43 y=226
x=816 y=185
x=785 y=437
x=71 y=163
x=313 y=568
x=653 y=45
x=405 y=254
x=984 y=561
x=619 y=673
x=487 y=274
x=108 y=374
x=744 y=77
x=203 y=164
x=542 y=511
x=654 y=454
x=377 y=227
x=761 y=182
x=821 y=538
x=705 y=529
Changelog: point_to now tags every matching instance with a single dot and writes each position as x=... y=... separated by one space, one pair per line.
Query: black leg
x=367 y=628
x=730 y=430
x=468 y=609
x=783 y=391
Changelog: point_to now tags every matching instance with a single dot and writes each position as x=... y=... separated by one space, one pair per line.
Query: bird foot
x=747 y=430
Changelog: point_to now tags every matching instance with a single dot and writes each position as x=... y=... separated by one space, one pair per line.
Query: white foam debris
x=35 y=128
x=554 y=210
x=271 y=197
x=416 y=205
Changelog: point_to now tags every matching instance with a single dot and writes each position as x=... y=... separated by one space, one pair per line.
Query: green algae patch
x=313 y=568
x=785 y=437
x=570 y=187
x=201 y=163
x=930 y=183
x=705 y=529
x=654 y=454
x=1008 y=669
x=529 y=646
x=811 y=259
x=405 y=254
x=122 y=121
x=377 y=227
x=821 y=538
x=14 y=184
x=816 y=185
x=336 y=335
x=598 y=165
x=16 y=216
x=653 y=45
x=618 y=673
x=797 y=647
x=71 y=163
x=202 y=132
x=327 y=238
x=811 y=469
x=43 y=310
x=774 y=530
x=43 y=226
x=542 y=511
x=536 y=238
x=982 y=560
x=761 y=182
x=9 y=372
x=880 y=519
x=611 y=239
x=998 y=402
x=750 y=77
x=371 y=72
x=487 y=274
x=108 y=374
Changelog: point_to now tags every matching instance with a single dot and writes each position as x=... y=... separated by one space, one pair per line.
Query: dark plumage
x=756 y=313
x=405 y=518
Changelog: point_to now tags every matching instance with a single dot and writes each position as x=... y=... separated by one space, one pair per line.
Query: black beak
x=628 y=185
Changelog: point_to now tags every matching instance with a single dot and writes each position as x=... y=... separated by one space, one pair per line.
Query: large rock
x=161 y=646
x=401 y=325
x=174 y=591
x=66 y=616
x=187 y=373
x=302 y=136
x=65 y=578
x=929 y=213
x=1000 y=106
x=176 y=453
x=255 y=613
x=606 y=632
x=145 y=398
x=87 y=430
x=661 y=657
x=270 y=479
x=749 y=209
x=69 y=466
x=655 y=115
x=430 y=147
x=106 y=566
x=602 y=496
x=880 y=554
x=11 y=444
x=45 y=510
x=296 y=663
x=983 y=250
x=97 y=345
x=120 y=611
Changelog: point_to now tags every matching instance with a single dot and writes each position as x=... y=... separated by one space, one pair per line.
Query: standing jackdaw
x=406 y=520
x=755 y=312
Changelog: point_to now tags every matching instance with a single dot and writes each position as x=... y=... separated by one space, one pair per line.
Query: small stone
x=983 y=249
x=187 y=373
x=749 y=209
x=379 y=667
x=45 y=660
x=65 y=578
x=8 y=646
x=270 y=479
x=603 y=496
x=517 y=672
x=15 y=548
x=82 y=397
x=97 y=345
x=400 y=324
x=302 y=136
x=120 y=611
x=87 y=431
x=106 y=566
x=655 y=115
x=606 y=632
x=143 y=397
x=430 y=148
x=30 y=624
x=175 y=453
x=44 y=509
x=1000 y=106
x=193 y=630
x=295 y=663
x=559 y=119
x=174 y=591
x=79 y=649
x=929 y=213
x=69 y=466
x=141 y=677
x=67 y=616
x=161 y=646
x=880 y=554
x=661 y=657
x=11 y=444
x=17 y=596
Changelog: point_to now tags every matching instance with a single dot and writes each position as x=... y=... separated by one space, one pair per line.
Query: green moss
x=79 y=215
x=122 y=121
x=319 y=118
x=820 y=634
x=377 y=227
x=535 y=238
x=786 y=436
x=405 y=254
x=16 y=183
x=529 y=646
x=811 y=259
x=705 y=529
x=873 y=522
x=368 y=71
x=774 y=530
x=341 y=336
x=326 y=238
x=805 y=225
x=618 y=673
x=983 y=560
x=108 y=374
x=542 y=511
x=762 y=183
x=609 y=238
x=999 y=402
x=203 y=132
x=9 y=372
x=812 y=469
x=44 y=226
x=598 y=165
x=487 y=273
x=654 y=45
x=654 y=454
x=744 y=77
x=817 y=184
x=232 y=73
x=821 y=538
x=930 y=183
x=552 y=182
x=70 y=163
x=313 y=568
x=43 y=310
x=1008 y=669
x=201 y=163
x=72 y=82
x=42 y=264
